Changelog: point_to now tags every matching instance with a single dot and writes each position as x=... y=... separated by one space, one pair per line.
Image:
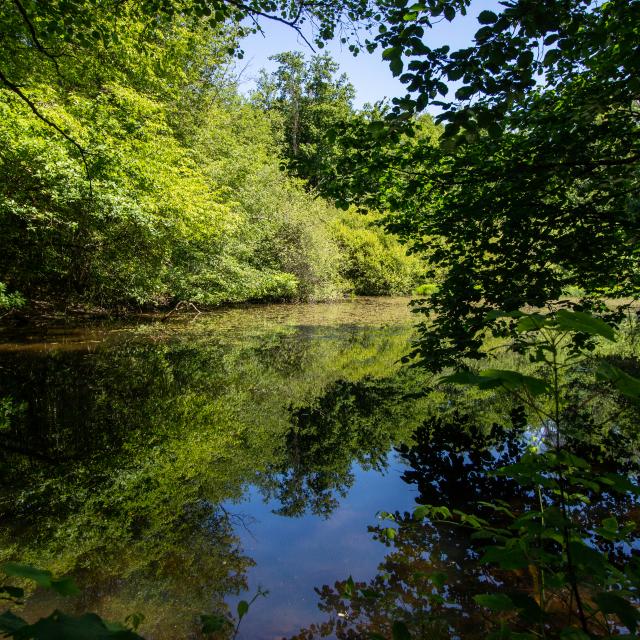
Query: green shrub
x=374 y=262
x=10 y=300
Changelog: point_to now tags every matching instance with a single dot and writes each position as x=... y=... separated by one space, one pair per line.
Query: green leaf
x=610 y=602
x=41 y=577
x=396 y=65
x=455 y=74
x=9 y=622
x=442 y=88
x=443 y=512
x=532 y=322
x=495 y=602
x=584 y=323
x=391 y=53
x=59 y=625
x=438 y=579
x=506 y=558
x=213 y=623
x=390 y=533
x=621 y=484
x=483 y=33
x=464 y=93
x=451 y=129
x=551 y=57
x=592 y=560
x=627 y=385
x=421 y=512
x=494 y=378
x=349 y=588
x=487 y=17
x=242 y=609
x=525 y=59
x=461 y=377
x=399 y=631
x=514 y=381
x=65 y=587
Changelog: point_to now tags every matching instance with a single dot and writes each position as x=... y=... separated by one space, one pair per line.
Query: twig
x=289 y=23
x=181 y=303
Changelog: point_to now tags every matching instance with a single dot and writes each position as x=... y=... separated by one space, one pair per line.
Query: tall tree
x=307 y=98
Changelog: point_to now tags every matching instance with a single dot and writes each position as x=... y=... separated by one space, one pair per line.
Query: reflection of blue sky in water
x=294 y=555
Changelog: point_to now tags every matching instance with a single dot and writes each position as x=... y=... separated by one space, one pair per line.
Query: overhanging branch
x=293 y=24
x=34 y=35
x=14 y=88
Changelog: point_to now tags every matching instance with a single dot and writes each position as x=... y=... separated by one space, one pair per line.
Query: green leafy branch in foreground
x=574 y=580
x=58 y=624
x=576 y=591
x=216 y=623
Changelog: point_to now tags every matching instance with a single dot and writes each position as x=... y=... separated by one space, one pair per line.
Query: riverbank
x=45 y=314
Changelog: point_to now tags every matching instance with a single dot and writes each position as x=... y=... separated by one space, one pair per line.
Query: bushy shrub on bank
x=374 y=263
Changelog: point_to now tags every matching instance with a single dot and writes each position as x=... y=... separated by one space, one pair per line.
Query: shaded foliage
x=533 y=185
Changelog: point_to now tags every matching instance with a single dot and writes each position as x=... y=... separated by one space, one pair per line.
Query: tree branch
x=293 y=24
x=34 y=35
x=83 y=154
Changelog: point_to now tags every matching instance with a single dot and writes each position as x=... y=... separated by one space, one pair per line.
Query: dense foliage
x=132 y=173
x=305 y=100
x=533 y=186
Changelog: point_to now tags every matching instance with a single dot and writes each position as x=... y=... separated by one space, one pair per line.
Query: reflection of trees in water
x=172 y=580
x=114 y=462
x=451 y=460
x=352 y=422
x=431 y=571
x=114 y=468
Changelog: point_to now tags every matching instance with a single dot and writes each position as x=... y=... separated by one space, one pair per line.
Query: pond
x=173 y=466
x=176 y=466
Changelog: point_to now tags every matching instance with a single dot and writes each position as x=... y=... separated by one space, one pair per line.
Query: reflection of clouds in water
x=295 y=555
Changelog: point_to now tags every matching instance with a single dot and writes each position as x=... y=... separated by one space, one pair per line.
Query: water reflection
x=126 y=461
x=431 y=571
x=351 y=422
x=173 y=466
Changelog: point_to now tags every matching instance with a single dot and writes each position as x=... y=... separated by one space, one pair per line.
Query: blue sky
x=368 y=72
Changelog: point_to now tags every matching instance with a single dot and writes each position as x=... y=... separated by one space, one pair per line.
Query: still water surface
x=174 y=467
